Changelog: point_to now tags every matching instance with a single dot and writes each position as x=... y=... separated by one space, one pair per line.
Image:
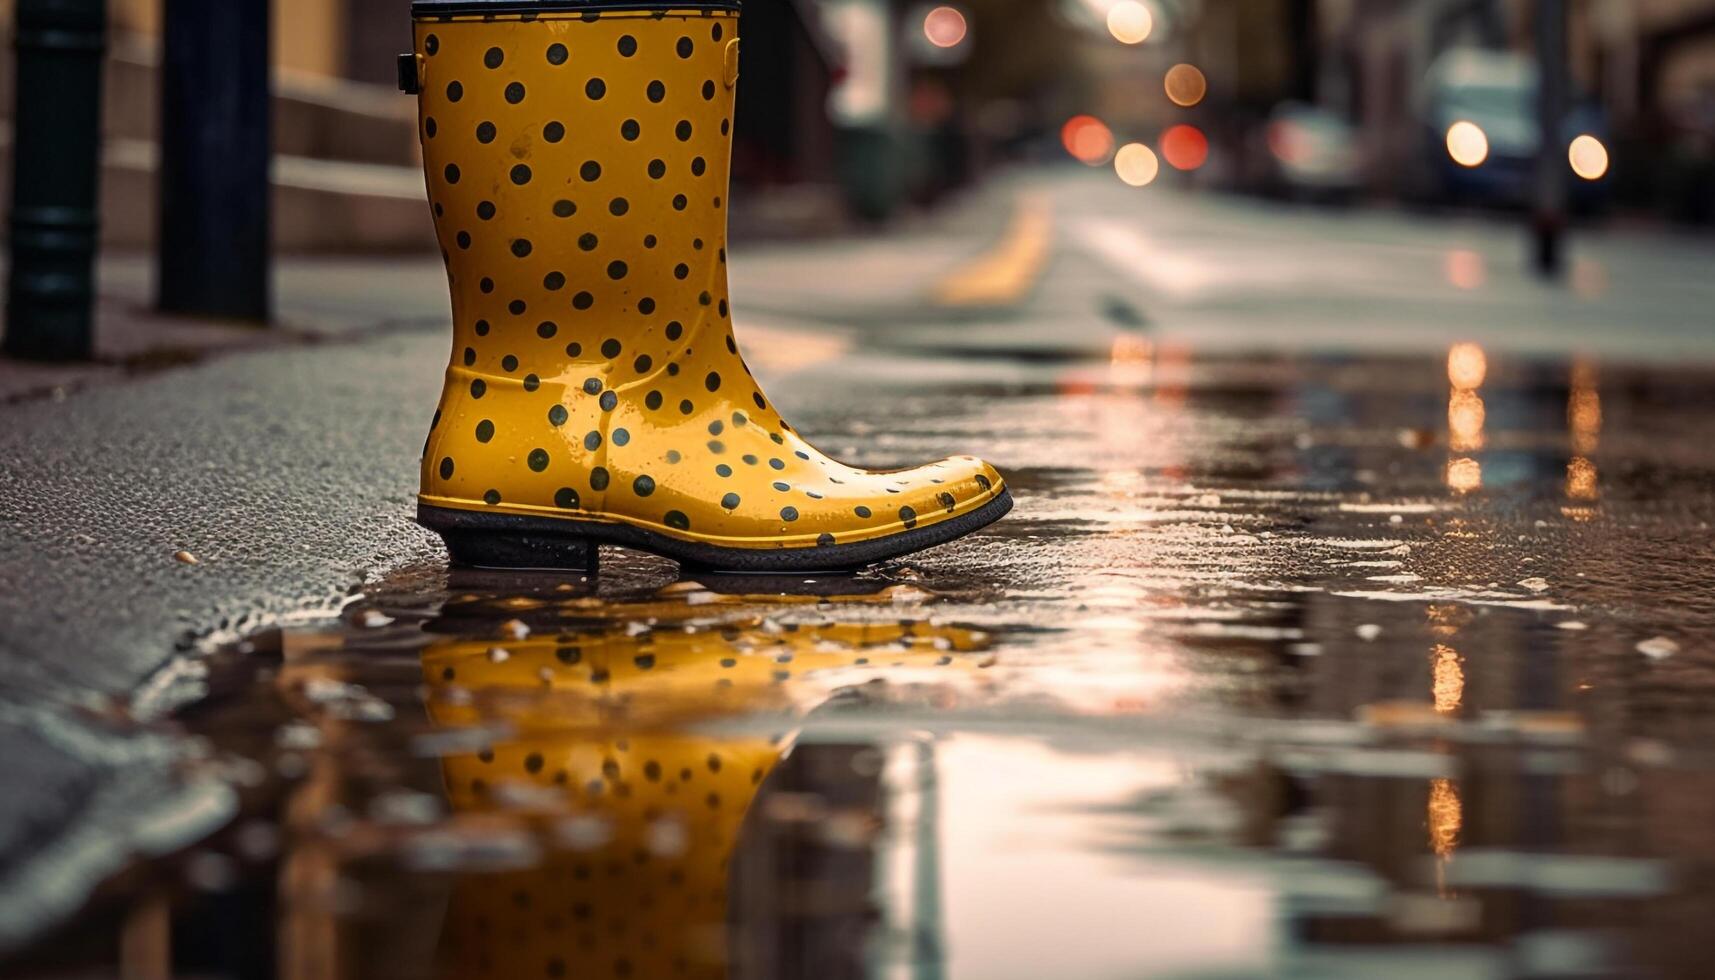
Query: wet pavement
x=1318 y=665
x=1284 y=667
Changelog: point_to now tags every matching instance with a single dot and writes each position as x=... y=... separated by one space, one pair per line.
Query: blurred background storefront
x=1340 y=98
x=347 y=175
x=857 y=110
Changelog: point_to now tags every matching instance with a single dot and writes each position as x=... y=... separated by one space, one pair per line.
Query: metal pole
x=929 y=952
x=215 y=149
x=50 y=292
x=1548 y=220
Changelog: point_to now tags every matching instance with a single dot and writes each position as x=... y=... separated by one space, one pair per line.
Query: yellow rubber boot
x=577 y=157
x=640 y=814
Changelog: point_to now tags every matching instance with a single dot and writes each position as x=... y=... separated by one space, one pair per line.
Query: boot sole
x=484 y=540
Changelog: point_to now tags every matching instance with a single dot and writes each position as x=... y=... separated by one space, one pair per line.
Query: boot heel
x=502 y=541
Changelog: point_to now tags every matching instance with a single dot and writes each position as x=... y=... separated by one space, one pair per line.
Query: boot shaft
x=577 y=165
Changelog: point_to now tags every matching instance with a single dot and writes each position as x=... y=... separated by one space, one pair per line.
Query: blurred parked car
x=1480 y=133
x=1312 y=154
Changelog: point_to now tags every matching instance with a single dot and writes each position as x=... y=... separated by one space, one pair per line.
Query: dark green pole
x=50 y=291
x=215 y=155
x=1548 y=211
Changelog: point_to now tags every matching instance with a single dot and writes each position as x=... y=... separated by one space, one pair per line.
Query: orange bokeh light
x=1185 y=85
x=945 y=27
x=1184 y=147
x=1088 y=139
x=1464 y=474
x=1467 y=366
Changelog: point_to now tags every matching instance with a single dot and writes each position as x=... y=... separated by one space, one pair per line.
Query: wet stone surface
x=1310 y=668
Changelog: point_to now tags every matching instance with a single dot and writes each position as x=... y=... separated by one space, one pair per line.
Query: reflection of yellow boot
x=637 y=883
x=642 y=818
x=600 y=678
x=577 y=157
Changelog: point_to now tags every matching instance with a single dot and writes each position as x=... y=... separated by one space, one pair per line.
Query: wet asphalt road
x=1385 y=657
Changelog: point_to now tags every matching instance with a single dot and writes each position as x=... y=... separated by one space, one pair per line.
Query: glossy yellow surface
x=645 y=814
x=578 y=172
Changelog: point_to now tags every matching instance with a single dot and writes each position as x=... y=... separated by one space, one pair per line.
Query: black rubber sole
x=485 y=540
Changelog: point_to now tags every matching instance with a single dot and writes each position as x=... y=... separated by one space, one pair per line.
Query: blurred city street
x=1347 y=368
x=1106 y=261
x=1391 y=630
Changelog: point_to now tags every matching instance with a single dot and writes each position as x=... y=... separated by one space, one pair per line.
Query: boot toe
x=947 y=488
x=968 y=480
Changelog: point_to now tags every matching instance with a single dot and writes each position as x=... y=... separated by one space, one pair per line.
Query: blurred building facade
x=347 y=172
x=1644 y=68
x=1648 y=64
x=334 y=38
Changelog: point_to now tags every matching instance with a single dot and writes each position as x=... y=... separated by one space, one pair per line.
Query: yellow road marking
x=1005 y=273
x=782 y=350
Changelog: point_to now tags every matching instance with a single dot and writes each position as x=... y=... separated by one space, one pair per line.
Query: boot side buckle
x=732 y=63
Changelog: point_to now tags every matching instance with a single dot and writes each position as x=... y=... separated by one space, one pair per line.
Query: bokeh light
x=1584 y=419
x=1464 y=475
x=1130 y=22
x=1136 y=164
x=1581 y=483
x=1589 y=157
x=1445 y=817
x=1088 y=139
x=1447 y=671
x=1185 y=85
x=1467 y=144
x=1584 y=409
x=1467 y=366
x=1466 y=416
x=1184 y=147
x=945 y=27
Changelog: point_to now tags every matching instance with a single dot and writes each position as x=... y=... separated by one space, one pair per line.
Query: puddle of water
x=648 y=780
x=1257 y=683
